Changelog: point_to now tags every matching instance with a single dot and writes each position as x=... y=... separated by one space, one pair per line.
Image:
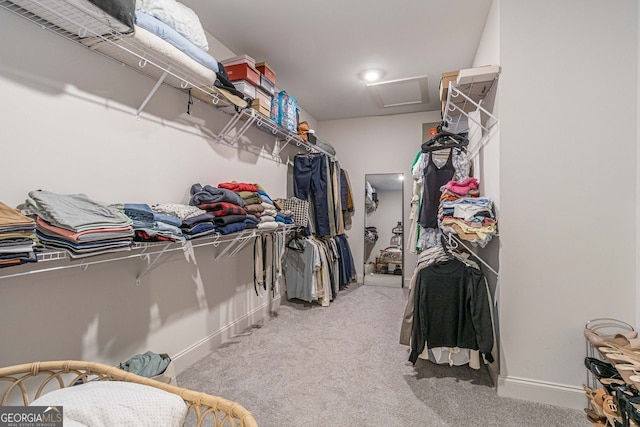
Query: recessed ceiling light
x=371 y=75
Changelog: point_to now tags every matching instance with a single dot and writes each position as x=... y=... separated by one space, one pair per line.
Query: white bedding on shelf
x=143 y=44
x=165 y=32
x=179 y=17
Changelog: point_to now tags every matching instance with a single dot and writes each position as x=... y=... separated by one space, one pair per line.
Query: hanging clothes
x=310 y=183
x=347 y=266
x=451 y=309
x=348 y=207
x=441 y=355
x=300 y=265
x=421 y=238
x=316 y=269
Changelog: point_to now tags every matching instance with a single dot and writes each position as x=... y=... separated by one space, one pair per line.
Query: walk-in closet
x=320 y=214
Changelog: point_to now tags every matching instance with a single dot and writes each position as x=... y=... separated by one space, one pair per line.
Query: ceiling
x=318 y=48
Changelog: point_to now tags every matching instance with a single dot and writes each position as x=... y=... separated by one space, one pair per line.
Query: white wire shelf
x=234 y=242
x=465 y=98
x=243 y=120
x=68 y=21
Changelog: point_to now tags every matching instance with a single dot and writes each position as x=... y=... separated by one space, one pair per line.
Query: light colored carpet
x=342 y=366
x=375 y=279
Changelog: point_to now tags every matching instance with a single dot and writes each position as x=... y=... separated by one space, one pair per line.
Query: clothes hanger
x=445 y=139
x=295 y=244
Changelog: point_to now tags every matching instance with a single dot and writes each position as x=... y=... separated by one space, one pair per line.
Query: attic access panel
x=399 y=92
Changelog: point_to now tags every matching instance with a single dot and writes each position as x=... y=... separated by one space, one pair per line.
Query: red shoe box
x=243 y=72
x=265 y=69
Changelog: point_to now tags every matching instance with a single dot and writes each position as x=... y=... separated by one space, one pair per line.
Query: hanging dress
x=434 y=178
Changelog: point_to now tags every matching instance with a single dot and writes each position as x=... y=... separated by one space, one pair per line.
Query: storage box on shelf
x=261 y=106
x=447 y=78
x=478 y=74
x=265 y=69
x=264 y=96
x=267 y=85
x=245 y=87
x=240 y=59
x=243 y=72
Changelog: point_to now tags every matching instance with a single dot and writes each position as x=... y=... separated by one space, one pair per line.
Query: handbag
x=299 y=209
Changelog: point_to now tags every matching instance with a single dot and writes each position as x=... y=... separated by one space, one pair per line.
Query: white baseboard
x=542 y=392
x=206 y=345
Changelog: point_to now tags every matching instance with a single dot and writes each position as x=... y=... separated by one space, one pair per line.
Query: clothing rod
x=478 y=257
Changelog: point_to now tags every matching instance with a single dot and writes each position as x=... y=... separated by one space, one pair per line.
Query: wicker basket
x=208 y=410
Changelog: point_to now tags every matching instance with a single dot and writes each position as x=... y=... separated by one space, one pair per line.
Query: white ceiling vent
x=395 y=93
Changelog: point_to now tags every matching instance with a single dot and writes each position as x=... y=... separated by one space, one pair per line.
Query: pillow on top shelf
x=179 y=17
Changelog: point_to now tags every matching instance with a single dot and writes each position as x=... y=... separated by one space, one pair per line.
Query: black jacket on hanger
x=451 y=309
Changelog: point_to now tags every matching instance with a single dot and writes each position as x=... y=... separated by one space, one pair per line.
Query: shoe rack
x=613 y=373
x=595 y=332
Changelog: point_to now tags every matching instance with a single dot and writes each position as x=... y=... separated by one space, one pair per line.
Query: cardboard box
x=448 y=77
x=267 y=85
x=243 y=72
x=261 y=94
x=265 y=69
x=261 y=106
x=246 y=88
x=477 y=75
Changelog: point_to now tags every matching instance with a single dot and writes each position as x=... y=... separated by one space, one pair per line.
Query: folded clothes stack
x=17 y=237
x=237 y=206
x=225 y=206
x=194 y=222
x=463 y=213
x=151 y=226
x=79 y=225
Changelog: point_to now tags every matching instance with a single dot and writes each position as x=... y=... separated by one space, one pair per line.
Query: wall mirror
x=383 y=230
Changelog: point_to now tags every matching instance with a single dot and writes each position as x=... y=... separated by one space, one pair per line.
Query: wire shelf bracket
x=462 y=94
x=151 y=264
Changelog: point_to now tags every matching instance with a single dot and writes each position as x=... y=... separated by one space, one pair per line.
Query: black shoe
x=601 y=369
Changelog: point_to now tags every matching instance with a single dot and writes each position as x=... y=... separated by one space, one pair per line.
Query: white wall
x=385 y=218
x=68 y=126
x=568 y=187
x=374 y=145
